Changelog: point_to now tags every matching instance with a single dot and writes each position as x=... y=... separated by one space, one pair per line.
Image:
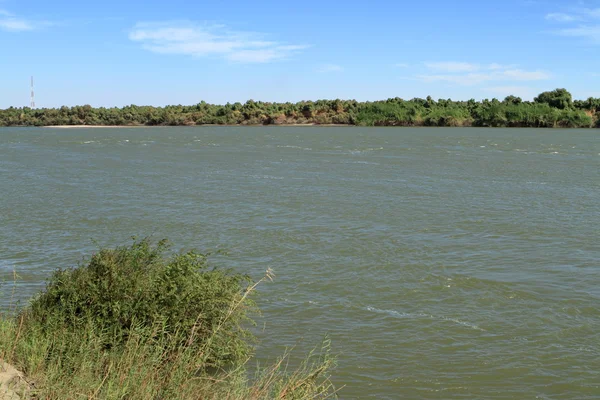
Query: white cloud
x=15 y=25
x=495 y=66
x=560 y=17
x=583 y=23
x=210 y=40
x=11 y=23
x=585 y=31
x=592 y=13
x=458 y=67
x=451 y=66
x=330 y=68
x=489 y=73
x=520 y=75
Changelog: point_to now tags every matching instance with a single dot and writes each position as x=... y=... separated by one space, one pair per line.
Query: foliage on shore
x=133 y=323
x=550 y=109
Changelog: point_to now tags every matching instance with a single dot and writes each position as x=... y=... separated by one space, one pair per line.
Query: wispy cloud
x=452 y=66
x=210 y=40
x=584 y=23
x=584 y=31
x=592 y=12
x=456 y=67
x=467 y=74
x=15 y=25
x=521 y=75
x=495 y=66
x=330 y=68
x=10 y=22
x=560 y=17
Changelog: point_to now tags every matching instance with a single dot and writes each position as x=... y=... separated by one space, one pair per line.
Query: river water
x=442 y=263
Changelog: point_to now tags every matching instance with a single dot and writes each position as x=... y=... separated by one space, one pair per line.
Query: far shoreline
x=89 y=126
x=309 y=125
x=184 y=126
x=551 y=109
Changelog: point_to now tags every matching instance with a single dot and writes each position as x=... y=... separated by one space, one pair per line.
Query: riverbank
x=90 y=126
x=13 y=384
x=555 y=109
x=134 y=322
x=208 y=125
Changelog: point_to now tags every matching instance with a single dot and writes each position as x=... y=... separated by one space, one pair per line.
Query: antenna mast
x=32 y=105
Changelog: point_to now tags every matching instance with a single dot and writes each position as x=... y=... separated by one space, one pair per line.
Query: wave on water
x=294 y=147
x=6 y=266
x=361 y=162
x=398 y=314
x=395 y=313
x=266 y=177
x=199 y=141
x=363 y=151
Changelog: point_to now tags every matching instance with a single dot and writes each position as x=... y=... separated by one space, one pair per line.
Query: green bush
x=137 y=323
x=574 y=119
x=176 y=300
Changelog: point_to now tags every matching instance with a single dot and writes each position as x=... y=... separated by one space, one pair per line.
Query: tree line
x=548 y=110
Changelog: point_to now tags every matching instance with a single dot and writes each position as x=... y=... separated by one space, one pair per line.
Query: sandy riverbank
x=13 y=385
x=162 y=126
x=91 y=126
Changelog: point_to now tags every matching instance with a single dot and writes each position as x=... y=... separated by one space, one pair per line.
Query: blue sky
x=114 y=53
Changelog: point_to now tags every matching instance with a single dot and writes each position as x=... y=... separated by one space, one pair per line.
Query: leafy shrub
x=574 y=119
x=134 y=323
x=175 y=301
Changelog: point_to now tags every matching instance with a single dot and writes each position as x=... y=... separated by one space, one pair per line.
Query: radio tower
x=32 y=105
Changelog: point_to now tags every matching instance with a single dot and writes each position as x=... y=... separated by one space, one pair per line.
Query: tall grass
x=135 y=323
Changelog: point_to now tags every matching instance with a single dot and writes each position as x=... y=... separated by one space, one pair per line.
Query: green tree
x=558 y=98
x=512 y=100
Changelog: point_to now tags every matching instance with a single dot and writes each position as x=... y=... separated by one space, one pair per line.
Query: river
x=442 y=263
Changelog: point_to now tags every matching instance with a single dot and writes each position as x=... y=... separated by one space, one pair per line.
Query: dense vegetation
x=134 y=323
x=550 y=109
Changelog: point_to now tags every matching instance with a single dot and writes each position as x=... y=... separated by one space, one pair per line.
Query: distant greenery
x=134 y=323
x=548 y=110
